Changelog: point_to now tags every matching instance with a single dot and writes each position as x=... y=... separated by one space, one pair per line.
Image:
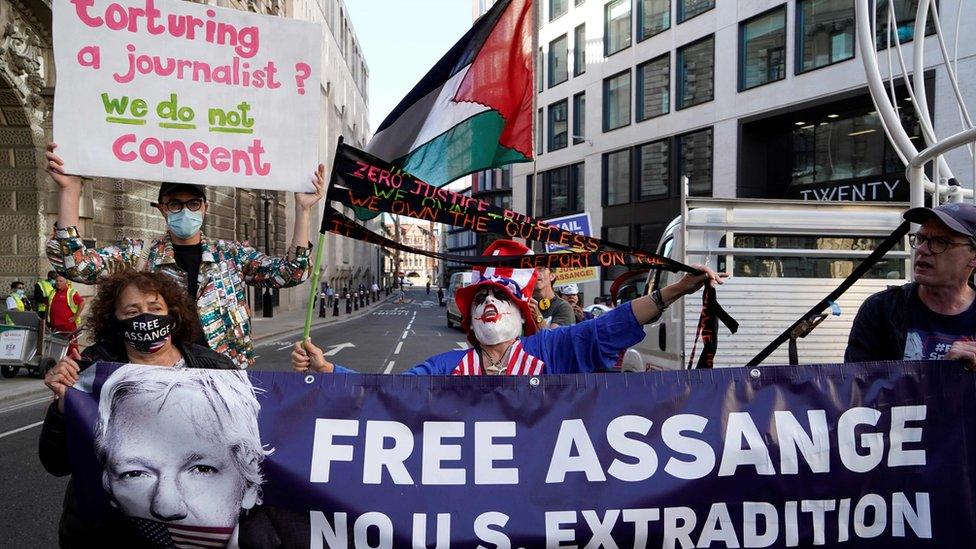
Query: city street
x=390 y=339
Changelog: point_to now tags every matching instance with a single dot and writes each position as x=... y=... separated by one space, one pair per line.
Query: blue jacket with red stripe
x=590 y=346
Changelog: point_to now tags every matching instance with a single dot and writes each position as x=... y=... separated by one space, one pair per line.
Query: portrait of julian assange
x=181 y=452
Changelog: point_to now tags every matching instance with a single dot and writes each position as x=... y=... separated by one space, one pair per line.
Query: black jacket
x=114 y=530
x=881 y=326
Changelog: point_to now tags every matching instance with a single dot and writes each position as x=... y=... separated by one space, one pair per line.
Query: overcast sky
x=401 y=40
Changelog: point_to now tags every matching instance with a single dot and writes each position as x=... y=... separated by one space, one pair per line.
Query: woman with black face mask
x=137 y=318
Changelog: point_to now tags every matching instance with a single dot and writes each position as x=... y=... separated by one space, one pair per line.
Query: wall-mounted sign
x=849 y=191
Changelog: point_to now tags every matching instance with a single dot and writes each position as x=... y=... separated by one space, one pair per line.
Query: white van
x=783 y=258
x=458 y=281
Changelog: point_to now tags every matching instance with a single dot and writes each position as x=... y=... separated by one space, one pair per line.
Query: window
x=579 y=51
x=696 y=70
x=576 y=173
x=762 y=49
x=616 y=101
x=616 y=17
x=648 y=235
x=618 y=235
x=557 y=182
x=616 y=177
x=695 y=161
x=579 y=118
x=837 y=149
x=825 y=33
x=778 y=266
x=654 y=169
x=538 y=133
x=654 y=17
x=904 y=22
x=558 y=125
x=558 y=55
x=561 y=191
x=578 y=2
x=654 y=87
x=539 y=68
x=557 y=8
x=690 y=8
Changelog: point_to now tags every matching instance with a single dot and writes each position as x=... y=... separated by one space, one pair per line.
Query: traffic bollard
x=348 y=304
x=335 y=307
x=322 y=306
x=355 y=302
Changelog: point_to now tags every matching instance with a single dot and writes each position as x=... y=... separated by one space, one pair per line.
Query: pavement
x=24 y=388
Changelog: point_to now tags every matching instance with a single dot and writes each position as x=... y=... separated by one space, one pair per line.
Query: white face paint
x=495 y=321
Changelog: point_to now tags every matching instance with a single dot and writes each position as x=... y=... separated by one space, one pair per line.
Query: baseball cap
x=958 y=216
x=569 y=289
x=170 y=188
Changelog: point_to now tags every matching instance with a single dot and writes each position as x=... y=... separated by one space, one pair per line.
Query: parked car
x=458 y=280
x=596 y=309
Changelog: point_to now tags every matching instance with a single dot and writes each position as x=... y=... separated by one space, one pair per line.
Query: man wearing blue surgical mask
x=183 y=206
x=214 y=272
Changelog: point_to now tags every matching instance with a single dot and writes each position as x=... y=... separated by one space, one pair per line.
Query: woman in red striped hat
x=502 y=326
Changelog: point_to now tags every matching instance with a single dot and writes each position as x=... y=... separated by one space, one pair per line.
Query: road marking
x=333 y=349
x=25 y=404
x=389 y=368
x=26 y=427
x=397 y=350
x=288 y=346
x=462 y=344
x=404 y=336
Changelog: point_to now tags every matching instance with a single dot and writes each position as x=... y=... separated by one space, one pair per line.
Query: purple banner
x=875 y=455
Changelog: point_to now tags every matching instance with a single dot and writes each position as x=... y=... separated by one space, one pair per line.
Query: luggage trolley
x=18 y=345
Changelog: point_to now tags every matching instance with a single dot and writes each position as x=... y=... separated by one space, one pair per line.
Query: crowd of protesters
x=178 y=302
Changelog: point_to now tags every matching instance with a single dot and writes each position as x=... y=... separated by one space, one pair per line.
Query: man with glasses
x=933 y=317
x=214 y=272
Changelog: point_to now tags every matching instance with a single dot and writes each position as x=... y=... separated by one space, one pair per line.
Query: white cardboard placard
x=165 y=90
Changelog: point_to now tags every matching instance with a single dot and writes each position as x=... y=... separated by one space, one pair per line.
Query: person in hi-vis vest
x=64 y=307
x=43 y=291
x=17 y=300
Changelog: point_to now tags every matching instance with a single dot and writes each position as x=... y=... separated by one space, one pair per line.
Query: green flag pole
x=316 y=276
x=316 y=273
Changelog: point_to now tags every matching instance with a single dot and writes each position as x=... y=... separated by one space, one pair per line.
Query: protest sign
x=579 y=224
x=876 y=455
x=165 y=90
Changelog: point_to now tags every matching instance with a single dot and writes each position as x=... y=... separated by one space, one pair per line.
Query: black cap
x=958 y=216
x=170 y=188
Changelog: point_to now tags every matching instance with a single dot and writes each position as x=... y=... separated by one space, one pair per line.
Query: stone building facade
x=113 y=208
x=416 y=268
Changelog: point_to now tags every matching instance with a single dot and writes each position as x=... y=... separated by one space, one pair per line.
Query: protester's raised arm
x=646 y=310
x=69 y=188
x=304 y=202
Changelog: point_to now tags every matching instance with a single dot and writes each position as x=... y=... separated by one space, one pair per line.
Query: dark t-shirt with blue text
x=930 y=334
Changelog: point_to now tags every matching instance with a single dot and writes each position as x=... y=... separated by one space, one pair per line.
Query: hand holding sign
x=305 y=201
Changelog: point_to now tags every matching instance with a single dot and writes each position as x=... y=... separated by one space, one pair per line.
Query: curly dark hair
x=102 y=322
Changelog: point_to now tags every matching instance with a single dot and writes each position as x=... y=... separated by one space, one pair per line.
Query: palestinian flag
x=473 y=110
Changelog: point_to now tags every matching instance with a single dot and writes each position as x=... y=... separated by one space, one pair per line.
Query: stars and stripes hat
x=518 y=284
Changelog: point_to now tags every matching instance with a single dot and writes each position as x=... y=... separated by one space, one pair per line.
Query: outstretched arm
x=645 y=310
x=267 y=271
x=304 y=202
